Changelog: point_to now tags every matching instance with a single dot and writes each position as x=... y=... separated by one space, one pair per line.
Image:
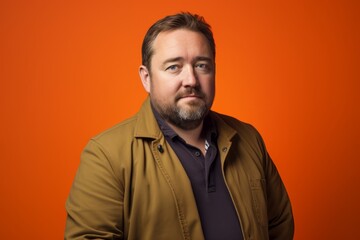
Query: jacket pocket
x=258 y=191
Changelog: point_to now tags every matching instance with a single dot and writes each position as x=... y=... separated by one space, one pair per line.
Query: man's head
x=180 y=71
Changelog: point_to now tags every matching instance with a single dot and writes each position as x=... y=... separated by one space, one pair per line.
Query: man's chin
x=192 y=112
x=191 y=103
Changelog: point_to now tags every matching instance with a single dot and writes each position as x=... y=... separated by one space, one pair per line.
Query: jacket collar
x=225 y=131
x=147 y=126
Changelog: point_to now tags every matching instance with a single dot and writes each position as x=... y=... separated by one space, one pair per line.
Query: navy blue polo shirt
x=217 y=213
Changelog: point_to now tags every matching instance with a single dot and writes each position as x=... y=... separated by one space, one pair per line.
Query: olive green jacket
x=127 y=187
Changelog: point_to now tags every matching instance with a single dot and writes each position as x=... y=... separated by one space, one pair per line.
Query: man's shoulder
x=142 y=125
x=246 y=133
x=123 y=130
x=234 y=123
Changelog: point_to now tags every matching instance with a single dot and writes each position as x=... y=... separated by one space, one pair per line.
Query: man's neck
x=192 y=137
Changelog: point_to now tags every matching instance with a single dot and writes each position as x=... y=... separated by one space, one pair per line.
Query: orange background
x=68 y=70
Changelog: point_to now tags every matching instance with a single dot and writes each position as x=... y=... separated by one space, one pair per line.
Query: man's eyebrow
x=175 y=59
x=203 y=58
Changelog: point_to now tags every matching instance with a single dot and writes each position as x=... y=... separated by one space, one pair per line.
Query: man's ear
x=145 y=77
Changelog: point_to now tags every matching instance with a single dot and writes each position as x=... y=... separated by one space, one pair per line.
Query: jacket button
x=160 y=148
x=224 y=149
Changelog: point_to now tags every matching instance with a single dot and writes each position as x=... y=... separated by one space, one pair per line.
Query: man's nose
x=190 y=77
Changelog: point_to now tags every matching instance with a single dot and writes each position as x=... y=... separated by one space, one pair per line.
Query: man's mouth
x=191 y=96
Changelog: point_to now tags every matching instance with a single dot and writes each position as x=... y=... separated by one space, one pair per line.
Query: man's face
x=181 y=81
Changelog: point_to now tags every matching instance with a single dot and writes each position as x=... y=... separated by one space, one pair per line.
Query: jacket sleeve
x=280 y=217
x=95 y=203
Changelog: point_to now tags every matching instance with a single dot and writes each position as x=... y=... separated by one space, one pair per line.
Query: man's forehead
x=181 y=33
x=171 y=44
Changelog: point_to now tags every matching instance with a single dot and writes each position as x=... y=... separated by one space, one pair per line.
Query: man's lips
x=191 y=96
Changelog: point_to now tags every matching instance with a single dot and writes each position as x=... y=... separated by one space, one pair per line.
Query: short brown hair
x=182 y=20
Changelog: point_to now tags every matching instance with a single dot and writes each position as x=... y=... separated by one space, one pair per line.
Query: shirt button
x=224 y=149
x=197 y=153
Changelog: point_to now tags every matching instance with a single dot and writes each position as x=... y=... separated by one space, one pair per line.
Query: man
x=177 y=170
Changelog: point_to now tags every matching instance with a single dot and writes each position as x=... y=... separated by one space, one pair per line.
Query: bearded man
x=177 y=170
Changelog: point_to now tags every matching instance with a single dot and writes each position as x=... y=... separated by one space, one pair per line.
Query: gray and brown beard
x=188 y=118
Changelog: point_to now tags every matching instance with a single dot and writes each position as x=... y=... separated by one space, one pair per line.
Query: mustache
x=190 y=92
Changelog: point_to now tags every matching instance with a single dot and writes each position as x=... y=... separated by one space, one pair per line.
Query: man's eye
x=172 y=68
x=201 y=65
